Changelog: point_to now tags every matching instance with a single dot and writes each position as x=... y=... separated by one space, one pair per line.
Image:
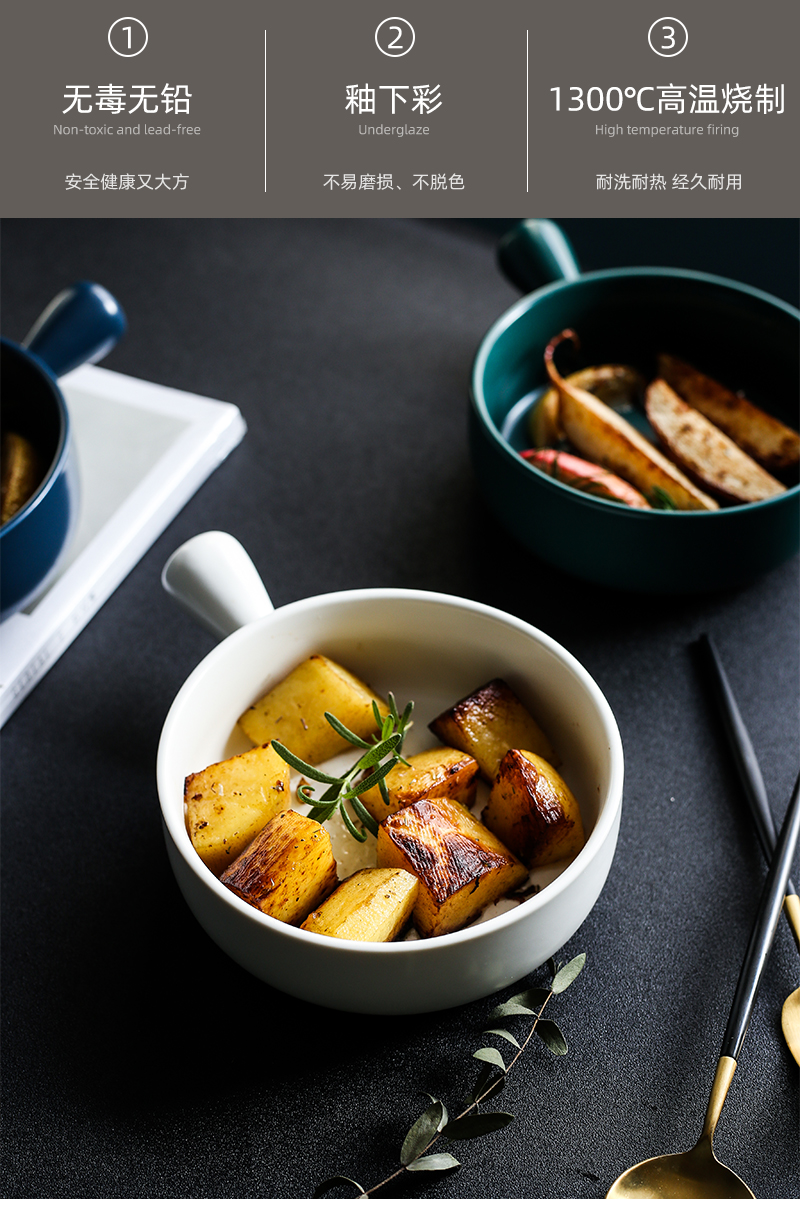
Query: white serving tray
x=142 y=451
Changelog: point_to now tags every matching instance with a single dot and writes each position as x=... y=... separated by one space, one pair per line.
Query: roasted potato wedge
x=770 y=442
x=603 y=436
x=231 y=801
x=20 y=473
x=429 y=775
x=462 y=867
x=532 y=810
x=293 y=712
x=489 y=722
x=372 y=905
x=704 y=452
x=581 y=475
x=615 y=384
x=288 y=869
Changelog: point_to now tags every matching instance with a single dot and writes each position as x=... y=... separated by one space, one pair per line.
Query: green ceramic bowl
x=741 y=336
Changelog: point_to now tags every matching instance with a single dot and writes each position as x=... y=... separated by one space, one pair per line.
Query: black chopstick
x=742 y=749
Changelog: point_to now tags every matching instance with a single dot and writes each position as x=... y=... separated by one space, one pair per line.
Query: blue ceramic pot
x=727 y=330
x=80 y=326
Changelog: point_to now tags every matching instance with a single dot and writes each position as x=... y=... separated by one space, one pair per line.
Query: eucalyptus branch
x=381 y=754
x=434 y=1123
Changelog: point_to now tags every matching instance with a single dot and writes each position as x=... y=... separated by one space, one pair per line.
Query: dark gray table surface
x=138 y=1060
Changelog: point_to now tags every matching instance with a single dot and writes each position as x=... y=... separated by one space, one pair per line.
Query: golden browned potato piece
x=20 y=473
x=775 y=446
x=461 y=866
x=533 y=811
x=429 y=775
x=287 y=870
x=231 y=801
x=293 y=712
x=615 y=384
x=489 y=722
x=704 y=452
x=372 y=905
x=606 y=438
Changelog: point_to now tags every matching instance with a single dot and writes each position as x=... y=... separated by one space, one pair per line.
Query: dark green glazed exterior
x=741 y=336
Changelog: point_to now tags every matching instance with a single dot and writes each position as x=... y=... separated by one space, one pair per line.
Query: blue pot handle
x=536 y=253
x=79 y=326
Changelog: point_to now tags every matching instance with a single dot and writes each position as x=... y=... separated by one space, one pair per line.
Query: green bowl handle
x=536 y=253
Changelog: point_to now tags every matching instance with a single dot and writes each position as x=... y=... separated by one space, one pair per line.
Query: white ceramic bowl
x=432 y=648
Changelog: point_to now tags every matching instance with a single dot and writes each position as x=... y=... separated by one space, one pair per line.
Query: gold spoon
x=698 y=1173
x=756 y=794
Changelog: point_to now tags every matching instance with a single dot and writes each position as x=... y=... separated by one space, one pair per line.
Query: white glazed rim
x=607 y=818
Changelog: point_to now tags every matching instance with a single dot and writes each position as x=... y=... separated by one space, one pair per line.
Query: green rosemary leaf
x=433 y=1163
x=321 y=814
x=372 y=779
x=377 y=713
x=344 y=732
x=376 y=753
x=369 y=822
x=503 y=1033
x=660 y=499
x=303 y=767
x=552 y=1036
x=384 y=791
x=568 y=974
x=476 y=1125
x=422 y=1133
x=354 y=832
x=333 y=1182
x=488 y=1054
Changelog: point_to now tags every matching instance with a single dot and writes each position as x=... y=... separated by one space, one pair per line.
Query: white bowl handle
x=212 y=577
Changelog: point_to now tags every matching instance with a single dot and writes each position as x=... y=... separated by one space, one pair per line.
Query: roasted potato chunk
x=607 y=439
x=533 y=811
x=489 y=722
x=372 y=905
x=293 y=712
x=461 y=866
x=231 y=801
x=704 y=452
x=775 y=446
x=429 y=775
x=615 y=384
x=287 y=870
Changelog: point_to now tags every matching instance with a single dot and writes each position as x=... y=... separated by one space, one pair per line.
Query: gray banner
x=456 y=108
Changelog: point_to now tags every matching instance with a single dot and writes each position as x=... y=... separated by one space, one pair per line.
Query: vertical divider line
x=527 y=112
x=265 y=111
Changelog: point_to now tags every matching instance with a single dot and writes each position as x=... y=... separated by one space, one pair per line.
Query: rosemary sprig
x=381 y=754
x=435 y=1123
x=659 y=499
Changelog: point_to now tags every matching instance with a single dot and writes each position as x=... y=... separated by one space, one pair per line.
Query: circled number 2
x=667 y=37
x=394 y=37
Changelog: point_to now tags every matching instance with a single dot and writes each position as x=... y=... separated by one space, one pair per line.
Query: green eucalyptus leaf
x=503 y=1033
x=552 y=1036
x=552 y=967
x=488 y=1054
x=534 y=998
x=476 y=1125
x=422 y=1133
x=333 y=1182
x=433 y=1163
x=510 y=1010
x=435 y=1100
x=568 y=974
